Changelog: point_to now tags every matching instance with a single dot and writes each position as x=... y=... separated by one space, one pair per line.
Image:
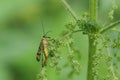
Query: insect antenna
x=43 y=27
x=47 y=32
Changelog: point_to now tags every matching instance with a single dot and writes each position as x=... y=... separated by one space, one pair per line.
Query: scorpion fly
x=43 y=49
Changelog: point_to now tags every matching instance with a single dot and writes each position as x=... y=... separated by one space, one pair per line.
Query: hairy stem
x=68 y=7
x=92 y=51
x=92 y=46
x=112 y=25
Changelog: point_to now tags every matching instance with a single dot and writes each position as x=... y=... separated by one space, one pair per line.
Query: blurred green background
x=21 y=32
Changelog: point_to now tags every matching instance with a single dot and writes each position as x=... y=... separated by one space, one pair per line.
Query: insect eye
x=44 y=36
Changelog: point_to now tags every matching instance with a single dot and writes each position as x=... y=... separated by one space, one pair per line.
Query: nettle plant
x=104 y=46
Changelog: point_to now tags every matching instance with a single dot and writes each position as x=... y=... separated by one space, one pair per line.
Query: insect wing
x=40 y=51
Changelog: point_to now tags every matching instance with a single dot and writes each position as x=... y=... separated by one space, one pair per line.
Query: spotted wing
x=40 y=51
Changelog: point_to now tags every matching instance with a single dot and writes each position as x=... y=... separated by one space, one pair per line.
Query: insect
x=43 y=49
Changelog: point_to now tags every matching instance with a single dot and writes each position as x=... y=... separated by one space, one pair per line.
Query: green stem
x=117 y=30
x=92 y=51
x=70 y=33
x=68 y=7
x=112 y=25
x=93 y=9
x=92 y=46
